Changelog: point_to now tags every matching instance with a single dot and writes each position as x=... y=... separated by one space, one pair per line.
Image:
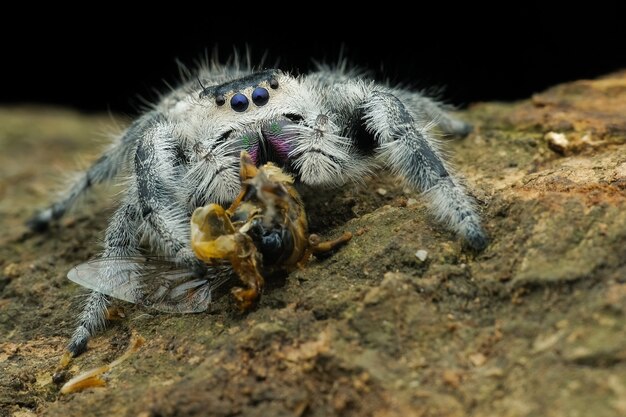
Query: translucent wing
x=154 y=282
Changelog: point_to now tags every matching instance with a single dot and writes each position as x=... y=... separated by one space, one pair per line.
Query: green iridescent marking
x=275 y=128
x=246 y=141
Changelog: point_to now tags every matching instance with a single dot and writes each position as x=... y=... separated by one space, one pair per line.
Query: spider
x=328 y=128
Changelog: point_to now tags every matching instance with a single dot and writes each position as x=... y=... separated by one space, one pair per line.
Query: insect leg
x=316 y=245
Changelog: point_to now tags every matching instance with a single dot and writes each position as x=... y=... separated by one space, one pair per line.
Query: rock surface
x=532 y=326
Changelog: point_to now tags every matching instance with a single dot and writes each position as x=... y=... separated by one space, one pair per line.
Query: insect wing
x=116 y=277
x=154 y=282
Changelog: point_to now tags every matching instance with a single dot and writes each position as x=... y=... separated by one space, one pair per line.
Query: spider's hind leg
x=437 y=112
x=104 y=169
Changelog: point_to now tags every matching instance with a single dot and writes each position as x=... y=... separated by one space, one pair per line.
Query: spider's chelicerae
x=327 y=128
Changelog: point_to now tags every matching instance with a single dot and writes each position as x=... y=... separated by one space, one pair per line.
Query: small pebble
x=477 y=359
x=421 y=255
x=452 y=378
x=381 y=191
x=557 y=142
x=60 y=377
x=411 y=202
x=11 y=271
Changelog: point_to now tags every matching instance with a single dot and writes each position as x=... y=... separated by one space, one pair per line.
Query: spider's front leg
x=159 y=198
x=150 y=206
x=409 y=152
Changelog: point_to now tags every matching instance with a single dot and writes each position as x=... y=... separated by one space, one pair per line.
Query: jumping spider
x=327 y=128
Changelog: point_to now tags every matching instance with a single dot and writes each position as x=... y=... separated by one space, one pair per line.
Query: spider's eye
x=220 y=99
x=274 y=83
x=260 y=96
x=239 y=102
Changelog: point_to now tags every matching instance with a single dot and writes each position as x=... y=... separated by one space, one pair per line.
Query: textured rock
x=534 y=325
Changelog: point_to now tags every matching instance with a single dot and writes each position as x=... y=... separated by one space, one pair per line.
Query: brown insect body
x=265 y=230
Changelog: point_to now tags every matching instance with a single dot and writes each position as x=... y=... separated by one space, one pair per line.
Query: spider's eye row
x=239 y=102
x=260 y=96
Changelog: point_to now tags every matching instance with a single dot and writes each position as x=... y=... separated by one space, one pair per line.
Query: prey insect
x=264 y=231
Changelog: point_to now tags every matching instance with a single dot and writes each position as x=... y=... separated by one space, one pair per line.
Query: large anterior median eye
x=260 y=96
x=239 y=102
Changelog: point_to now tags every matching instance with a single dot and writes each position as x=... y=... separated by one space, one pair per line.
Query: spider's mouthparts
x=271 y=144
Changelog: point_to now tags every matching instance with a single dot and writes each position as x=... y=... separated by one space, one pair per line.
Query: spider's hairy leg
x=158 y=192
x=121 y=240
x=434 y=111
x=104 y=169
x=409 y=152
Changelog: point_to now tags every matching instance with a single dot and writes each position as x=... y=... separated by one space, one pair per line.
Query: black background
x=474 y=53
